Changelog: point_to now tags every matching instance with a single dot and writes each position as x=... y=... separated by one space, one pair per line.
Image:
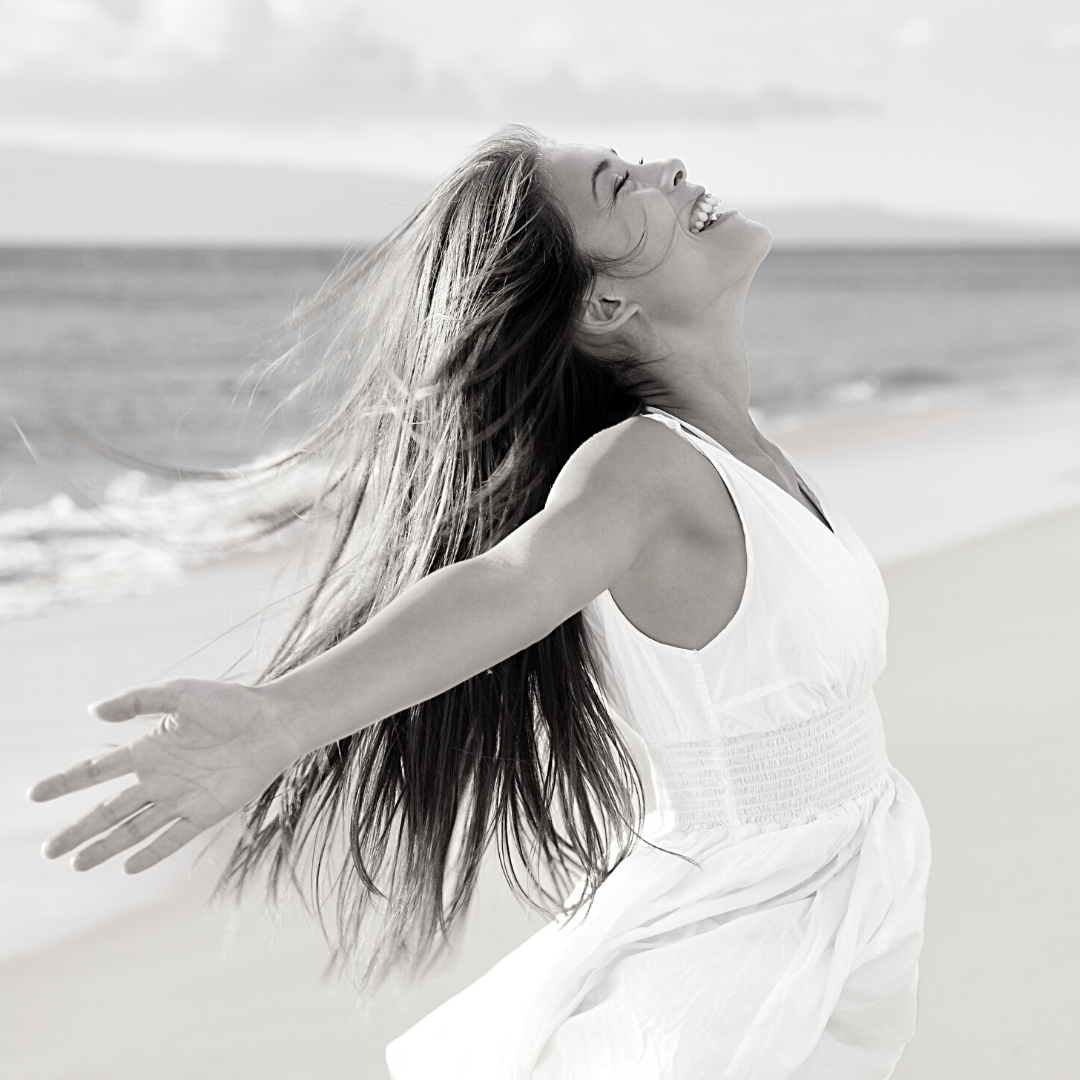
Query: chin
x=757 y=227
x=766 y=239
x=755 y=238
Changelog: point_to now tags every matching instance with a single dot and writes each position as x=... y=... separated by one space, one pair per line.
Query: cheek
x=677 y=275
x=681 y=285
x=698 y=273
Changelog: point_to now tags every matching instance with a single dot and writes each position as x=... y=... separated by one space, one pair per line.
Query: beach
x=973 y=506
x=258 y=258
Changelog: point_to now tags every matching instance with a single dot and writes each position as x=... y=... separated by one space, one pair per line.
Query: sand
x=916 y=473
x=50 y=668
x=980 y=701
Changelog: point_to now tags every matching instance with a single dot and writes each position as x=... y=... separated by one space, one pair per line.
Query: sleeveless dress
x=771 y=926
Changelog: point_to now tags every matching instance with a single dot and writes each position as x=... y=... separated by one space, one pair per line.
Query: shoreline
x=912 y=472
x=925 y=472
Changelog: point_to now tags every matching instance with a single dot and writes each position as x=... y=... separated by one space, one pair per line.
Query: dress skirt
x=741 y=953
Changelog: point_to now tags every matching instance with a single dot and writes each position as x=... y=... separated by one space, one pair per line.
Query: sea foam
x=141 y=535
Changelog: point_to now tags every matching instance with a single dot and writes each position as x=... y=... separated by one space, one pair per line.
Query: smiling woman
x=672 y=254
x=578 y=606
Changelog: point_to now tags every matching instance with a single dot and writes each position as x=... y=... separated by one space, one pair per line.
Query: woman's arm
x=220 y=744
x=461 y=620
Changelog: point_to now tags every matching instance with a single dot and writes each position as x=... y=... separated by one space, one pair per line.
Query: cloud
x=915 y=35
x=1065 y=37
x=559 y=96
x=276 y=64
x=185 y=60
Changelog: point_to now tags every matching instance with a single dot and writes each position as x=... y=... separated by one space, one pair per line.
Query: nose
x=672 y=173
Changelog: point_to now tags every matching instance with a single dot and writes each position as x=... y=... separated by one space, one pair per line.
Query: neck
x=700 y=374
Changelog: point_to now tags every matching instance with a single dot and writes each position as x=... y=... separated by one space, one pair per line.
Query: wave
x=141 y=535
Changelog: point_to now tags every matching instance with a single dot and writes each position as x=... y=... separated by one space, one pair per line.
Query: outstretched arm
x=219 y=745
x=464 y=618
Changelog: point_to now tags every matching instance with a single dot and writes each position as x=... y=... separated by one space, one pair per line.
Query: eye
x=619 y=182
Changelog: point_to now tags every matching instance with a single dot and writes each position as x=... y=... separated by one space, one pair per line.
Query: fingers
x=168 y=843
x=86 y=774
x=111 y=812
x=142 y=701
x=138 y=828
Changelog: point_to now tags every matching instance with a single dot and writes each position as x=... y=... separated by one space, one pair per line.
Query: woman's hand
x=217 y=746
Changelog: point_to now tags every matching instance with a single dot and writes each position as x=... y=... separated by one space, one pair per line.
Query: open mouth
x=704 y=212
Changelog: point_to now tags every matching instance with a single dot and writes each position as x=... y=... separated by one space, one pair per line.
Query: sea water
x=155 y=353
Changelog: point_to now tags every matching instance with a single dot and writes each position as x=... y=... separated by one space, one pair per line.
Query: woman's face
x=647 y=213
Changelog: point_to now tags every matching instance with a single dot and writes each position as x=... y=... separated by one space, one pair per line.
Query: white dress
x=785 y=944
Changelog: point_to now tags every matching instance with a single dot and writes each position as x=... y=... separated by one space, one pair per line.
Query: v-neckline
x=811 y=497
x=819 y=516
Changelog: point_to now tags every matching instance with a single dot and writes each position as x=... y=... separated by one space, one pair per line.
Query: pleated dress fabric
x=770 y=927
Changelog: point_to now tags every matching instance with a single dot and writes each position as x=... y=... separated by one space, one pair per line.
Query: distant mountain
x=57 y=198
x=844 y=226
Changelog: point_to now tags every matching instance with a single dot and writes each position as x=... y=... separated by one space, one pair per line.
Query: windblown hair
x=464 y=395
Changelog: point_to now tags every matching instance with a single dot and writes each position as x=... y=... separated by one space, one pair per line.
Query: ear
x=604 y=315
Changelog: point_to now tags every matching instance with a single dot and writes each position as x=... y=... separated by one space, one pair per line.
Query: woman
x=579 y=606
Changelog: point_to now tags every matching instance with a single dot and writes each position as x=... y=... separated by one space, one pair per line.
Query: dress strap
x=690 y=433
x=700 y=440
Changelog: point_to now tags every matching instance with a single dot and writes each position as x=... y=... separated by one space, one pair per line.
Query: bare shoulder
x=684 y=567
x=638 y=459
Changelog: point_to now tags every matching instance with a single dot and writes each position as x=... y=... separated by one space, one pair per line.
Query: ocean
x=152 y=351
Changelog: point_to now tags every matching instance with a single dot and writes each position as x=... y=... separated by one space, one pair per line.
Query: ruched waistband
x=784 y=775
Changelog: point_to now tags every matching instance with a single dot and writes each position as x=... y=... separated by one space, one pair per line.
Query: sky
x=955 y=108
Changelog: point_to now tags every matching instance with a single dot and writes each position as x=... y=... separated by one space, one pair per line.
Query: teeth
x=704 y=212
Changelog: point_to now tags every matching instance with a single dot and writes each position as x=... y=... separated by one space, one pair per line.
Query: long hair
x=462 y=395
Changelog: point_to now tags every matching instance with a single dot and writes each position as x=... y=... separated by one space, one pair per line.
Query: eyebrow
x=605 y=164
